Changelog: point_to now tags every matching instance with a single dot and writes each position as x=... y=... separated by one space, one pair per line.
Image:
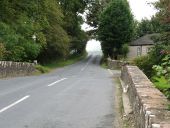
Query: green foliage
x=145 y=63
x=164 y=68
x=94 y=8
x=53 y=64
x=162 y=15
x=169 y=107
x=164 y=10
x=64 y=62
x=72 y=21
x=2 y=51
x=162 y=84
x=125 y=50
x=115 y=27
x=154 y=57
x=16 y=54
x=42 y=69
x=32 y=49
x=55 y=26
x=160 y=76
x=7 y=35
x=157 y=64
x=147 y=26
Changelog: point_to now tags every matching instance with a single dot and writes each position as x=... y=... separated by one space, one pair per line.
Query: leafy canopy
x=115 y=27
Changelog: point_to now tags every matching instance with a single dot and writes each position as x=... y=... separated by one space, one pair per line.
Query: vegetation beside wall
x=157 y=64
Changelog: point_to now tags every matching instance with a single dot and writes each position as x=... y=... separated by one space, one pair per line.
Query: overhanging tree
x=163 y=7
x=72 y=24
x=115 y=27
x=95 y=7
x=54 y=24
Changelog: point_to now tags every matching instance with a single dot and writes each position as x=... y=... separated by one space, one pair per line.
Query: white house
x=141 y=46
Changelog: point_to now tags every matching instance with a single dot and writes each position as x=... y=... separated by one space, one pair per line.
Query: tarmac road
x=77 y=96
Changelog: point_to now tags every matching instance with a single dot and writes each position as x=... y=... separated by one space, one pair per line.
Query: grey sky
x=142 y=8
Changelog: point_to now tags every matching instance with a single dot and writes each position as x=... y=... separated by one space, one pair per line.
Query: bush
x=159 y=74
x=2 y=51
x=31 y=49
x=145 y=63
x=125 y=50
x=162 y=84
x=41 y=69
x=161 y=78
x=164 y=68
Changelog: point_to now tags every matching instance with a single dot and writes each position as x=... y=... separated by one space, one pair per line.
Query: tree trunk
x=115 y=57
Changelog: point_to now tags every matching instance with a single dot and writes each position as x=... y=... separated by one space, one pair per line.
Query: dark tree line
x=113 y=25
x=50 y=29
x=41 y=29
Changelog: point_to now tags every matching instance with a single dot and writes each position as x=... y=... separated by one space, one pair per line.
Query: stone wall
x=11 y=69
x=148 y=103
x=113 y=64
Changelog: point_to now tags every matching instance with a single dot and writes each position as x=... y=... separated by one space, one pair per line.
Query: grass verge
x=103 y=63
x=50 y=66
x=119 y=102
x=126 y=121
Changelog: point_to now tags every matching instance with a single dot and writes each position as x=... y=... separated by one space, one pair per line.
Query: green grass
x=119 y=93
x=64 y=62
x=104 y=65
x=128 y=121
x=52 y=65
x=41 y=69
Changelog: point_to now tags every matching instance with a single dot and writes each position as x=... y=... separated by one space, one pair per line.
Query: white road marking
x=15 y=103
x=110 y=71
x=84 y=67
x=56 y=82
x=87 y=64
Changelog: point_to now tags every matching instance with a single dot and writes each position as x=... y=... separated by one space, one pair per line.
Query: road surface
x=77 y=96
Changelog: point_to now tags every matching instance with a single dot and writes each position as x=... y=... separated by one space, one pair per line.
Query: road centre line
x=15 y=103
x=84 y=67
x=56 y=82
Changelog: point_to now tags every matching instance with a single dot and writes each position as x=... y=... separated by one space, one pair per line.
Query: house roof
x=144 y=40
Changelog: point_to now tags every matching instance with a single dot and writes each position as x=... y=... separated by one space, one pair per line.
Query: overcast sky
x=142 y=8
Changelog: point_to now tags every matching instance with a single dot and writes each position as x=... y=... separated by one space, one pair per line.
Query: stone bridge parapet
x=12 y=69
x=149 y=105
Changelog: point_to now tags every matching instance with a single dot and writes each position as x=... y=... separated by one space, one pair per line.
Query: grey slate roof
x=144 y=40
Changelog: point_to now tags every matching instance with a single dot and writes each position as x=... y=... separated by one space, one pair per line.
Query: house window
x=139 y=51
x=148 y=49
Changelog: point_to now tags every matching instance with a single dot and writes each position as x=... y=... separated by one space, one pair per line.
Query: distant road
x=76 y=96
